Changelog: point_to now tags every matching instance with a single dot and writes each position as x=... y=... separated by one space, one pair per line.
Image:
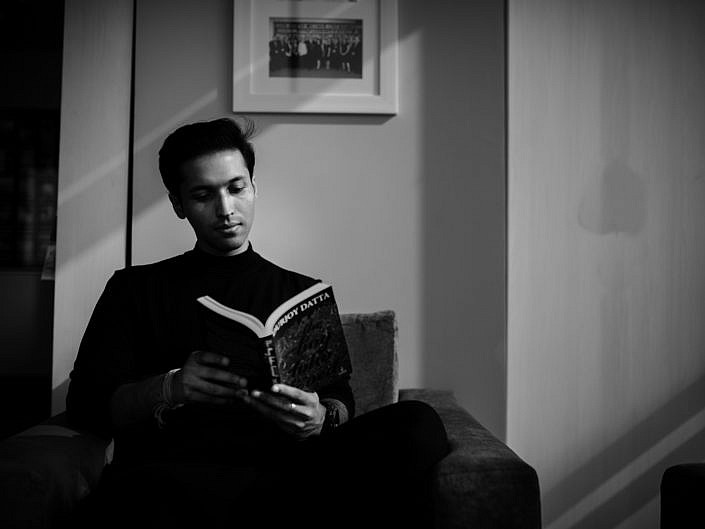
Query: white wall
x=606 y=290
x=92 y=193
x=403 y=212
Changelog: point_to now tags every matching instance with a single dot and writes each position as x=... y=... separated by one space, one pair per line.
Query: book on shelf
x=302 y=341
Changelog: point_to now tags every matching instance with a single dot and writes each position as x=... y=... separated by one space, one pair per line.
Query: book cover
x=302 y=341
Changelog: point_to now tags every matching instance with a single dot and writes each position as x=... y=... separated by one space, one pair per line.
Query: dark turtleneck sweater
x=147 y=321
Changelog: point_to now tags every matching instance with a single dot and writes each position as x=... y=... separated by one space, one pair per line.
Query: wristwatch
x=332 y=419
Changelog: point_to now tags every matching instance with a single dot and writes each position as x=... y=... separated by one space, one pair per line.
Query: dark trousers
x=373 y=471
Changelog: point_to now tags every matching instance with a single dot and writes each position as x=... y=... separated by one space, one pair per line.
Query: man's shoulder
x=148 y=271
x=174 y=262
x=286 y=275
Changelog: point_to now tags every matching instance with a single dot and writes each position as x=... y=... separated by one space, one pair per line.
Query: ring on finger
x=292 y=406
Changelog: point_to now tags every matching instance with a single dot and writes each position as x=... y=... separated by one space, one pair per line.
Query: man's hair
x=198 y=139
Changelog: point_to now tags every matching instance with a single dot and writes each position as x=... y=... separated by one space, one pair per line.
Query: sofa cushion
x=372 y=341
x=44 y=471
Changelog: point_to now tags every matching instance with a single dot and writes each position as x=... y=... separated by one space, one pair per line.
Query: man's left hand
x=297 y=412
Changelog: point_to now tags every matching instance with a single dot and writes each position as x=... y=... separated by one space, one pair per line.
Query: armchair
x=47 y=469
x=682 y=490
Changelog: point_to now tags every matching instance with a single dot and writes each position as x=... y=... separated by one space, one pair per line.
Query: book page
x=248 y=320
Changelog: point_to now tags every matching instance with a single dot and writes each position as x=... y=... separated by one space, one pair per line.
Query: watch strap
x=332 y=418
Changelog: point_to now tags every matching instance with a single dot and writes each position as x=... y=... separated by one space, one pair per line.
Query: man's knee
x=421 y=430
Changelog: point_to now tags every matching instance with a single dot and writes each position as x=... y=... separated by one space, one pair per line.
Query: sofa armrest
x=481 y=483
x=45 y=471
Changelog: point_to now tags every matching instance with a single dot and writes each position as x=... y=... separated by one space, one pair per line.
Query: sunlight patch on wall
x=631 y=472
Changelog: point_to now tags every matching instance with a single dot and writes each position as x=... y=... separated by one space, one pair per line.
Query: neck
x=237 y=251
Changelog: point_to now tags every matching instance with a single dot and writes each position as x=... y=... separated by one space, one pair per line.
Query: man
x=194 y=442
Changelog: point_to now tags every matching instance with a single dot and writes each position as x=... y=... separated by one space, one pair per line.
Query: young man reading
x=196 y=439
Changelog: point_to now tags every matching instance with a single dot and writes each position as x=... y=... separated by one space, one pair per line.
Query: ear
x=176 y=204
x=254 y=184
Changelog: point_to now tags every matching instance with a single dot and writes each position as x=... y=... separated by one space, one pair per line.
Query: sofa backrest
x=372 y=342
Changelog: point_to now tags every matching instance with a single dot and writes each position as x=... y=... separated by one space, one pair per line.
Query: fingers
x=200 y=376
x=286 y=420
x=206 y=398
x=205 y=379
x=301 y=415
x=283 y=405
x=220 y=376
x=211 y=366
x=295 y=394
x=208 y=358
x=210 y=388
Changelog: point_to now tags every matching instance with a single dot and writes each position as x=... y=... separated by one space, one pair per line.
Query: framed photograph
x=315 y=56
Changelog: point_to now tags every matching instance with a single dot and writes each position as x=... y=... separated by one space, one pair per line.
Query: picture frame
x=315 y=56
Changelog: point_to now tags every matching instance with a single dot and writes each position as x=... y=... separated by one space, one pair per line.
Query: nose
x=224 y=205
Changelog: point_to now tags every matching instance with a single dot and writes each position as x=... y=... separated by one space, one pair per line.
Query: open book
x=302 y=340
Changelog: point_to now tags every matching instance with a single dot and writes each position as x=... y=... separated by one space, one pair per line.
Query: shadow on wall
x=612 y=486
x=464 y=208
x=616 y=203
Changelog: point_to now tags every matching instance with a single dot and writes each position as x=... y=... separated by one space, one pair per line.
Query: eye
x=236 y=189
x=200 y=197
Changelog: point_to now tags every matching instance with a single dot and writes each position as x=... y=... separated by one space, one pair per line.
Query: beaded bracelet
x=168 y=388
x=166 y=402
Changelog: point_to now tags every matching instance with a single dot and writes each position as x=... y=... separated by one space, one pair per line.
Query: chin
x=232 y=248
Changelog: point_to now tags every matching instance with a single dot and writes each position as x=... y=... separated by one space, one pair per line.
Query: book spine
x=271 y=358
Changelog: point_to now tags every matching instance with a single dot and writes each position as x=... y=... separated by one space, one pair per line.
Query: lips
x=227 y=228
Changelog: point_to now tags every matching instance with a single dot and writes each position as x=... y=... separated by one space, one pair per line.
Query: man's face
x=217 y=197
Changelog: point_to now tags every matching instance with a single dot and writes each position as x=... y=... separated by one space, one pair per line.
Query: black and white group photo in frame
x=315 y=56
x=330 y=48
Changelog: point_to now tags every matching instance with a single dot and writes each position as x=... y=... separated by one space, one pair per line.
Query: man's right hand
x=204 y=378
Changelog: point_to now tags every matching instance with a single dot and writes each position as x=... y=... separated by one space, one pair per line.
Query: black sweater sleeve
x=342 y=392
x=105 y=358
